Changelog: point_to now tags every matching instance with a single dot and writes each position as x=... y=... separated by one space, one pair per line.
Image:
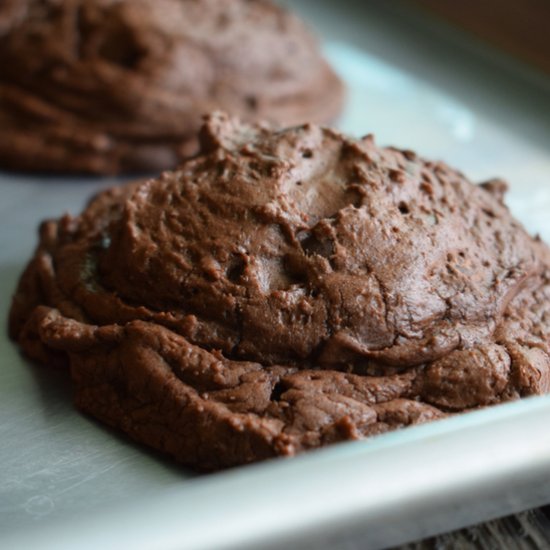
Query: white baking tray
x=67 y=482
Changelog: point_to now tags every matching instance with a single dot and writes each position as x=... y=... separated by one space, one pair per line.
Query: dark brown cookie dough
x=284 y=290
x=108 y=86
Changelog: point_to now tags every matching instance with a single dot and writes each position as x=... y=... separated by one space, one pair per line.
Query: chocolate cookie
x=108 y=86
x=284 y=290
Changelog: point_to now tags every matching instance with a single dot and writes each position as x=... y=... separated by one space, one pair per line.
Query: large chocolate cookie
x=107 y=86
x=284 y=290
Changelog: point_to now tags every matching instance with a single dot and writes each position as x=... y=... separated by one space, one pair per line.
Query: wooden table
x=526 y=531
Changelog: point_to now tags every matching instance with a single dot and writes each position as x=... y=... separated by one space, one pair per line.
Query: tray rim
x=181 y=517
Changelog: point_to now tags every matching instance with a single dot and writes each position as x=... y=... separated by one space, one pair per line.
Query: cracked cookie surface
x=109 y=86
x=285 y=289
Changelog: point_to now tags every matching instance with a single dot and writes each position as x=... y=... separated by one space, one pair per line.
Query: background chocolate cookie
x=107 y=86
x=286 y=289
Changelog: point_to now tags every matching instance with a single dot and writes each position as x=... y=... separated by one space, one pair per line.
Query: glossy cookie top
x=301 y=285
